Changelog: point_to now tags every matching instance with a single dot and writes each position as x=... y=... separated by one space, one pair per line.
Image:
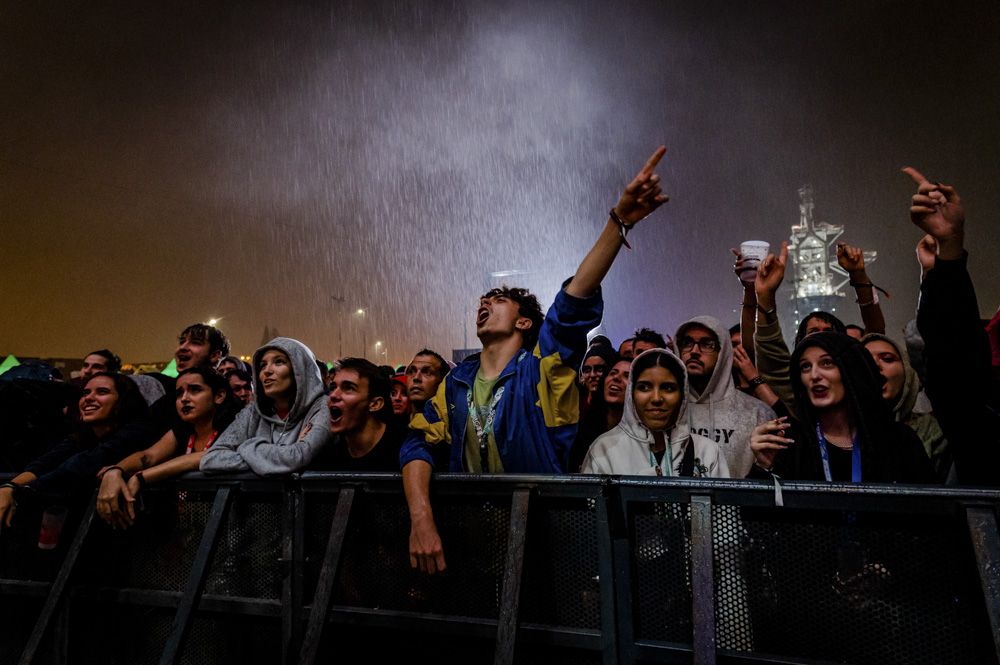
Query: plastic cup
x=53 y=520
x=754 y=252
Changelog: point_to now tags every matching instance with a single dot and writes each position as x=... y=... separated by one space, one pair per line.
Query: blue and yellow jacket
x=537 y=416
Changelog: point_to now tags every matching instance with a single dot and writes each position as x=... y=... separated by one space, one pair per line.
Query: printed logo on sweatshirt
x=720 y=436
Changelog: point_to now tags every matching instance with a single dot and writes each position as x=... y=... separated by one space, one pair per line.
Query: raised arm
x=852 y=260
x=772 y=356
x=748 y=310
x=641 y=197
x=948 y=313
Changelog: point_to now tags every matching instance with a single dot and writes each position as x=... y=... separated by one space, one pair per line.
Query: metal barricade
x=582 y=569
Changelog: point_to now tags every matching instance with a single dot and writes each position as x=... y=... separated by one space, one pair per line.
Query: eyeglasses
x=705 y=344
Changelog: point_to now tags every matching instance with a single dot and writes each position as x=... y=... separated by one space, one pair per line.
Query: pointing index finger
x=654 y=159
x=915 y=175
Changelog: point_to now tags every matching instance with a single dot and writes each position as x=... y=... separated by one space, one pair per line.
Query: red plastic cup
x=53 y=520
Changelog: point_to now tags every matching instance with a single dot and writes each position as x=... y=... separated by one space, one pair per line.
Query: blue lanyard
x=825 y=456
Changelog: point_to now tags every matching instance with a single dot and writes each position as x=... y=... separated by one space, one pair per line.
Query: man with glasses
x=715 y=407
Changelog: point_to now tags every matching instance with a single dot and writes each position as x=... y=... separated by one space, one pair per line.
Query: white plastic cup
x=754 y=252
x=53 y=520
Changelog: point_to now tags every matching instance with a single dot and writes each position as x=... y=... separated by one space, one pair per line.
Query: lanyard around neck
x=190 y=446
x=483 y=429
x=668 y=453
x=825 y=457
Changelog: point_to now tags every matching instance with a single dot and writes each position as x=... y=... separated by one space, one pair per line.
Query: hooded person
x=287 y=423
x=902 y=389
x=652 y=438
x=715 y=407
x=845 y=430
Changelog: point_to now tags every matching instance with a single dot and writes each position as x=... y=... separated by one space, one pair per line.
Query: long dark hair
x=130 y=407
x=869 y=413
x=225 y=412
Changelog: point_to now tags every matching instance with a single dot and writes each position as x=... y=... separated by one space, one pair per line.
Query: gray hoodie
x=721 y=412
x=260 y=441
x=625 y=449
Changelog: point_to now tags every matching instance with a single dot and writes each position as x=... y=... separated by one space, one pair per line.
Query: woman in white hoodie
x=652 y=438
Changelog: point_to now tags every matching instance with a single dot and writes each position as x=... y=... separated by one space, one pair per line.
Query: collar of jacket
x=465 y=373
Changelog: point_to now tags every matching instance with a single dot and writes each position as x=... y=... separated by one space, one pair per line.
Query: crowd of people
x=842 y=403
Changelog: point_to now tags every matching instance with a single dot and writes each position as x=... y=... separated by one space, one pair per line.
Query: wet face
x=657 y=396
x=243 y=390
x=699 y=349
x=349 y=403
x=93 y=364
x=821 y=378
x=890 y=365
x=498 y=317
x=591 y=372
x=275 y=372
x=817 y=324
x=616 y=383
x=400 y=400
x=192 y=352
x=195 y=400
x=99 y=401
x=424 y=375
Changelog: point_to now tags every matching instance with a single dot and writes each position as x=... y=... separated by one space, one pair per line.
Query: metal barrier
x=315 y=568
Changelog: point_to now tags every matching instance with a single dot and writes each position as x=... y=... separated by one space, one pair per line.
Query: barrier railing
x=315 y=568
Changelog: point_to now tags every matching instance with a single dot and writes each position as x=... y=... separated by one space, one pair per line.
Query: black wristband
x=766 y=312
x=623 y=228
x=757 y=381
x=100 y=476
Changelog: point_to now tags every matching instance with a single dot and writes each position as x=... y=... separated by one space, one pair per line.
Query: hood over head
x=630 y=422
x=305 y=373
x=903 y=406
x=606 y=353
x=720 y=384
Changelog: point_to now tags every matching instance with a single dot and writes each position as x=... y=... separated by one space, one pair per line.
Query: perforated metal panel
x=661 y=556
x=375 y=568
x=855 y=587
x=561 y=585
x=247 y=560
x=134 y=635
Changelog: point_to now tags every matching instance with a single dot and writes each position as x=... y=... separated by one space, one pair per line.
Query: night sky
x=164 y=164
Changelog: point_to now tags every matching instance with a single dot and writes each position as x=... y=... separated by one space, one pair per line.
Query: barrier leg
x=986 y=544
x=702 y=580
x=507 y=620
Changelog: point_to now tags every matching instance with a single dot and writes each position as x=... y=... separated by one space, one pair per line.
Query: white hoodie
x=721 y=412
x=625 y=450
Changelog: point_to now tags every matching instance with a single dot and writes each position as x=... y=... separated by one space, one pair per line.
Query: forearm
x=24 y=478
x=158 y=453
x=172 y=467
x=597 y=263
x=871 y=310
x=748 y=319
x=417 y=487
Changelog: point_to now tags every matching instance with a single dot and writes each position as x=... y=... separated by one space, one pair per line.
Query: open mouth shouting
x=482 y=315
x=336 y=417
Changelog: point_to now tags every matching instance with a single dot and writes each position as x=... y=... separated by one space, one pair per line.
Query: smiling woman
x=114 y=421
x=651 y=439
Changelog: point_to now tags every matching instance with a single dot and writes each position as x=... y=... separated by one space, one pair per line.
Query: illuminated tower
x=817 y=279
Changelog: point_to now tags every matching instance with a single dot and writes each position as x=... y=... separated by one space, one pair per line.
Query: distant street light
x=364 y=332
x=340 y=324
